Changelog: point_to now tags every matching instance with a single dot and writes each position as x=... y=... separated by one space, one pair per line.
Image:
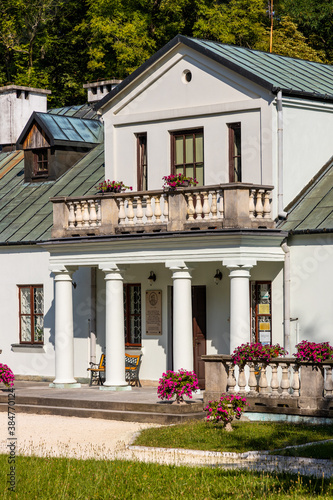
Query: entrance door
x=199 y=331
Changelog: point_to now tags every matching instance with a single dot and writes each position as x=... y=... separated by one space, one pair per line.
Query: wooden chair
x=96 y=371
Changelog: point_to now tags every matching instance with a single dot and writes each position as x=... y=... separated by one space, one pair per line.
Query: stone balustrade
x=210 y=207
x=283 y=385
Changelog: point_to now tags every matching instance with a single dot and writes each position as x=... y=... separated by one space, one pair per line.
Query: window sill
x=133 y=347
x=28 y=348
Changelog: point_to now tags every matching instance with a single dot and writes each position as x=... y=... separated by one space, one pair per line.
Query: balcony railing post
x=177 y=211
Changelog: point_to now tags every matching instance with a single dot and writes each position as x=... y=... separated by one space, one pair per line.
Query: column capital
x=239 y=263
x=62 y=271
x=179 y=269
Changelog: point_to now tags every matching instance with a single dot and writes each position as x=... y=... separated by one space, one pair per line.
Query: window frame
x=32 y=315
x=232 y=127
x=142 y=167
x=186 y=132
x=255 y=315
x=127 y=314
x=37 y=161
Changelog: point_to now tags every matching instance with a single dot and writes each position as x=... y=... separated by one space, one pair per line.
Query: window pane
x=189 y=149
x=199 y=148
x=200 y=174
x=25 y=300
x=180 y=170
x=179 y=158
x=135 y=306
x=189 y=171
x=135 y=330
x=38 y=301
x=25 y=328
x=39 y=329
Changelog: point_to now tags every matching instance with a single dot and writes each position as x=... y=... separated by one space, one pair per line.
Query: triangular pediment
x=35 y=138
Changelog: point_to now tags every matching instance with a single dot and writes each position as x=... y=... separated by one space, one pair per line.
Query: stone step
x=162 y=407
x=107 y=414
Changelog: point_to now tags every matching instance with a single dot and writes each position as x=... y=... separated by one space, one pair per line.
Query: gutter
x=281 y=213
x=286 y=287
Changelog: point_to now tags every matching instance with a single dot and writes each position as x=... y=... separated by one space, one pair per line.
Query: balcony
x=209 y=207
x=282 y=386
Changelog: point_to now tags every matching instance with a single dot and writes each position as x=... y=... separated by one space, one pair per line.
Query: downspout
x=281 y=213
x=286 y=287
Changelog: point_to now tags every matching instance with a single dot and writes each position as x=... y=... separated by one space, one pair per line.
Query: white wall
x=311 y=287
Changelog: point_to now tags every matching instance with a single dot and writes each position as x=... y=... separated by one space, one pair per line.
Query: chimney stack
x=98 y=90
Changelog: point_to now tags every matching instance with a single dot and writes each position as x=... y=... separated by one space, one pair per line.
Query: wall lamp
x=151 y=278
x=74 y=284
x=218 y=276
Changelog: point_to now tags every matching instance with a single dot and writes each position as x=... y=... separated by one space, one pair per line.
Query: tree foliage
x=61 y=44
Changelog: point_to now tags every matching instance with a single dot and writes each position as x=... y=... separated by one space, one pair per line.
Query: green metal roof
x=312 y=210
x=79 y=111
x=295 y=77
x=63 y=129
x=25 y=209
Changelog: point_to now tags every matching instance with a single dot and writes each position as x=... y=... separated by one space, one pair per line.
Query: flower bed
x=257 y=353
x=108 y=186
x=178 y=180
x=179 y=384
x=6 y=375
x=311 y=351
x=224 y=410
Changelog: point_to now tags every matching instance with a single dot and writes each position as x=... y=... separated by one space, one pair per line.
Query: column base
x=75 y=385
x=115 y=388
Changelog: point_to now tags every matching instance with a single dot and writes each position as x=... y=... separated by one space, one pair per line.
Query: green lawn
x=61 y=478
x=318 y=450
x=245 y=436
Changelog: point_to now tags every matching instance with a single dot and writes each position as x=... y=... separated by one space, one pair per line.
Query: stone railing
x=282 y=386
x=209 y=207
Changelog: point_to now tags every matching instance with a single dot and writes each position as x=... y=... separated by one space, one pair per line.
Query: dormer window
x=40 y=163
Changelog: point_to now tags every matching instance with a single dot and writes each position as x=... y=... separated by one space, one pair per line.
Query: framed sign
x=153 y=312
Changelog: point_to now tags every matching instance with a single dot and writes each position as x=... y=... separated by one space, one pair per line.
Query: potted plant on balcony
x=6 y=376
x=108 y=186
x=313 y=352
x=179 y=384
x=257 y=353
x=312 y=356
x=175 y=181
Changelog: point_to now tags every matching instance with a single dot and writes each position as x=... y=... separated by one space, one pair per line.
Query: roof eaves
x=302 y=93
x=34 y=117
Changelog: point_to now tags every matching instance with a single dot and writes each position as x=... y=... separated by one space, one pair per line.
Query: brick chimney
x=97 y=90
x=16 y=106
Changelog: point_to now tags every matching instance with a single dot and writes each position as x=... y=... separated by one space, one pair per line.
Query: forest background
x=61 y=44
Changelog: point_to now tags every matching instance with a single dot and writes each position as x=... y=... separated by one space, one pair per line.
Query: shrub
x=6 y=375
x=256 y=352
x=310 y=351
x=224 y=410
x=179 y=384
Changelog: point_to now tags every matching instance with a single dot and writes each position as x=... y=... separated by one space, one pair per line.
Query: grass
x=318 y=450
x=62 y=478
x=245 y=436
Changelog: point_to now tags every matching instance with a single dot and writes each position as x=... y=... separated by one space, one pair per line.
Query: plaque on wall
x=153 y=312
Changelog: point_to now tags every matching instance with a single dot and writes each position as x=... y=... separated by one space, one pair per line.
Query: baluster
x=198 y=206
x=267 y=205
x=275 y=380
x=263 y=384
x=285 y=383
x=206 y=207
x=93 y=215
x=166 y=207
x=130 y=211
x=231 y=381
x=241 y=380
x=295 y=382
x=328 y=385
x=149 y=211
x=190 y=207
x=251 y=204
x=139 y=211
x=252 y=380
x=121 y=213
x=259 y=205
x=85 y=214
x=221 y=206
x=98 y=213
x=71 y=215
x=158 y=212
x=213 y=207
x=78 y=214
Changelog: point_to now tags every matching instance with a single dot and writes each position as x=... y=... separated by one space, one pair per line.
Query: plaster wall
x=311 y=288
x=16 y=111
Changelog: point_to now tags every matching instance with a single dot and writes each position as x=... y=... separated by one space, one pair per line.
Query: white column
x=114 y=331
x=64 y=337
x=182 y=318
x=240 y=323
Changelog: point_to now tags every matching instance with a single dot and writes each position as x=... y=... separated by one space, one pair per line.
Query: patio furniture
x=132 y=367
x=96 y=372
